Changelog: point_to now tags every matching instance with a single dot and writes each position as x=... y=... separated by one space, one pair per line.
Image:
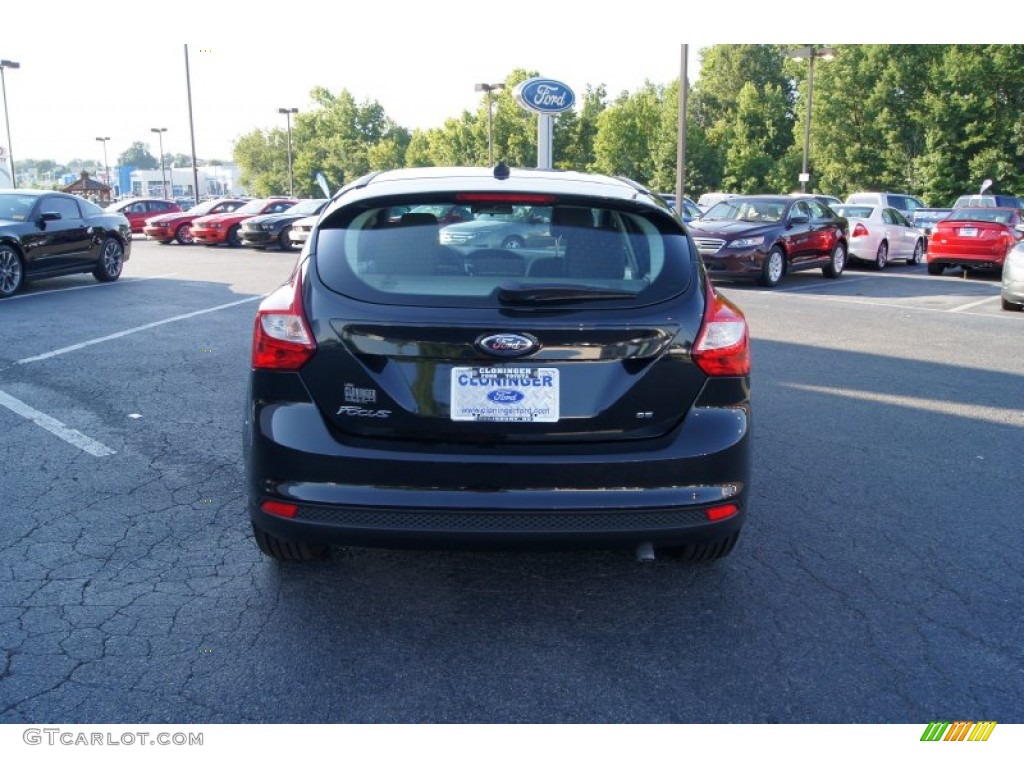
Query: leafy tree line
x=931 y=120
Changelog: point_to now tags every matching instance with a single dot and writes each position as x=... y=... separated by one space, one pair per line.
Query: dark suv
x=590 y=390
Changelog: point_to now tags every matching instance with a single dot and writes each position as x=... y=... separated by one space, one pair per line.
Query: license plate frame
x=513 y=394
x=968 y=232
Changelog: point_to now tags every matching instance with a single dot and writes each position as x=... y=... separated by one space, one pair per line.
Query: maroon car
x=138 y=209
x=178 y=226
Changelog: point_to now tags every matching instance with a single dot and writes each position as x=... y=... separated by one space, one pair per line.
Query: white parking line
x=9 y=299
x=137 y=329
x=50 y=424
x=979 y=302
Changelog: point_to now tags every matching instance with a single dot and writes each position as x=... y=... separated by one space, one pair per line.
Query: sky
x=117 y=68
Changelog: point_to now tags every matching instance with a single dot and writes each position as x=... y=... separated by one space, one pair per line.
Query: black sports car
x=49 y=234
x=275 y=228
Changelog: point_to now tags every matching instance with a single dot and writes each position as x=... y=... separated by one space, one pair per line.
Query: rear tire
x=837 y=262
x=183 y=234
x=918 y=254
x=111 y=261
x=704 y=552
x=234 y=240
x=285 y=239
x=935 y=269
x=882 y=256
x=287 y=551
x=1009 y=306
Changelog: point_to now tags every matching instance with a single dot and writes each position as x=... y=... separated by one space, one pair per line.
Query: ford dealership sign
x=544 y=96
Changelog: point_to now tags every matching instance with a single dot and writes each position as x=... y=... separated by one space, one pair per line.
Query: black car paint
x=52 y=245
x=647 y=443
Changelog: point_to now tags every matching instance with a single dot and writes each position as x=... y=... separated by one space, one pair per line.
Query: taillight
x=859 y=231
x=282 y=340
x=723 y=344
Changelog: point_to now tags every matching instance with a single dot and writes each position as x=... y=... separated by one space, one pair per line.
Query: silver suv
x=905 y=204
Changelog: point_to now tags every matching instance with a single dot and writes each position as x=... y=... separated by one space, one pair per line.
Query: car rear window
x=402 y=254
x=994 y=215
x=854 y=211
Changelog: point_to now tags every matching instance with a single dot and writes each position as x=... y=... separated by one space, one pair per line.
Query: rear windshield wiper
x=542 y=294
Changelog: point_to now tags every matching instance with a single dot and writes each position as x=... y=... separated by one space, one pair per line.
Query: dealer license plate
x=504 y=394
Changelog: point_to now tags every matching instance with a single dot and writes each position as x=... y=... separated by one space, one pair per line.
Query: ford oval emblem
x=544 y=96
x=508 y=344
x=505 y=396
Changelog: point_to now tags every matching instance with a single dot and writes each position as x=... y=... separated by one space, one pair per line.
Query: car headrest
x=417 y=220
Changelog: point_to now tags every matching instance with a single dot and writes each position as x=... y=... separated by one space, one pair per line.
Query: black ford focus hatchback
x=587 y=387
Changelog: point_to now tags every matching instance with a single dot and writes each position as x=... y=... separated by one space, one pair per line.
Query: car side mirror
x=46 y=216
x=799 y=219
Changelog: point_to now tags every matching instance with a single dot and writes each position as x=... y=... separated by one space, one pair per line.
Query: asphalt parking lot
x=877 y=579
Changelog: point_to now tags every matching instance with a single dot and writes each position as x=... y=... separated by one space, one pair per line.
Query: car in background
x=1012 y=289
x=828 y=200
x=689 y=210
x=226 y=228
x=905 y=204
x=509 y=226
x=709 y=199
x=764 y=237
x=925 y=219
x=988 y=201
x=49 y=234
x=396 y=398
x=301 y=230
x=445 y=214
x=177 y=227
x=137 y=210
x=274 y=229
x=974 y=238
x=879 y=235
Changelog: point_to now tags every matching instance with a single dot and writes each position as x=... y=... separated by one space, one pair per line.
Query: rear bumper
x=610 y=494
x=951 y=258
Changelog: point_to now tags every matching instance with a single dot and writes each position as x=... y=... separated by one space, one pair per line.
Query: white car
x=879 y=235
x=1012 y=292
x=301 y=229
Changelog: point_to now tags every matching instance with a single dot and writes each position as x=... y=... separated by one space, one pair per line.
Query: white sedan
x=879 y=235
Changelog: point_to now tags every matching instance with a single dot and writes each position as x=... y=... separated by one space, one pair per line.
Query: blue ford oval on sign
x=544 y=96
x=505 y=396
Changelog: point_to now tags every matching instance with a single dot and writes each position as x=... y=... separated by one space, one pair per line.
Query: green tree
x=627 y=135
x=138 y=155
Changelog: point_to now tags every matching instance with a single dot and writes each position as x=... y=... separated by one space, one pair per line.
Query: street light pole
x=488 y=88
x=5 y=64
x=810 y=53
x=163 y=173
x=288 y=112
x=106 y=165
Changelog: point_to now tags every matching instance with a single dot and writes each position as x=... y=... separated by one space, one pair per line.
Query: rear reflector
x=280 y=508
x=723 y=344
x=722 y=512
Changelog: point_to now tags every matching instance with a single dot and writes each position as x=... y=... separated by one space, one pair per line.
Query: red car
x=178 y=226
x=138 y=209
x=973 y=238
x=225 y=227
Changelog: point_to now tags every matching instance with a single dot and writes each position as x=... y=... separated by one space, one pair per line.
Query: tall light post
x=488 y=88
x=4 y=65
x=106 y=165
x=191 y=131
x=163 y=173
x=288 y=112
x=810 y=53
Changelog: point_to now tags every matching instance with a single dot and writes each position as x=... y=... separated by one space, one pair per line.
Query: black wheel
x=918 y=254
x=287 y=551
x=1010 y=306
x=882 y=256
x=836 y=263
x=165 y=242
x=12 y=272
x=935 y=269
x=513 y=242
x=702 y=553
x=773 y=267
x=111 y=261
x=285 y=239
x=183 y=234
x=234 y=239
